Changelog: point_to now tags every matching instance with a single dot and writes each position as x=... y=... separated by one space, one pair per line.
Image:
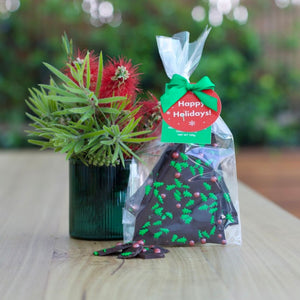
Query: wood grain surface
x=38 y=260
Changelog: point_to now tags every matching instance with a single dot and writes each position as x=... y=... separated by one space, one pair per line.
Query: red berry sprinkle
x=215 y=145
x=144 y=250
x=214 y=179
x=157 y=250
x=141 y=242
x=224 y=242
x=196 y=194
x=136 y=245
x=203 y=241
x=192 y=243
x=178 y=205
x=175 y=155
x=163 y=196
x=219 y=222
x=119 y=244
x=177 y=175
x=220 y=236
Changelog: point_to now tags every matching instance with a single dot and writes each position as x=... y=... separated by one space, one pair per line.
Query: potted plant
x=95 y=114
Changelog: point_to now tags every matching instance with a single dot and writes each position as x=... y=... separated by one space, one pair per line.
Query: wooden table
x=38 y=260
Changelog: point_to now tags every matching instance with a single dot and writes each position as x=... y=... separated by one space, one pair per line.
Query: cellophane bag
x=184 y=193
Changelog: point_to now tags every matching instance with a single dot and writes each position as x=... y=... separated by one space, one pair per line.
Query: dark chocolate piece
x=113 y=250
x=187 y=200
x=131 y=252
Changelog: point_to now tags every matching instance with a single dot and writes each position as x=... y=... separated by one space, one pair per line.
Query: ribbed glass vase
x=97 y=196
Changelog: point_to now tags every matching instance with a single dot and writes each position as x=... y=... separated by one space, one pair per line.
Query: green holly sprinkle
x=184 y=156
x=177 y=195
x=169 y=215
x=193 y=170
x=207 y=186
x=186 y=186
x=227 y=197
x=214 y=204
x=147 y=224
x=96 y=253
x=205 y=234
x=213 y=196
x=157 y=223
x=126 y=253
x=200 y=234
x=174 y=238
x=163 y=217
x=203 y=197
x=208 y=163
x=178 y=167
x=187 y=219
x=203 y=207
x=230 y=218
x=178 y=183
x=182 y=240
x=170 y=187
x=213 y=230
x=157 y=234
x=212 y=220
x=201 y=170
x=198 y=161
x=173 y=163
x=155 y=206
x=143 y=231
x=160 y=199
x=156 y=192
x=165 y=230
x=186 y=211
x=158 y=211
x=187 y=194
x=147 y=189
x=190 y=203
x=184 y=164
x=158 y=184
x=213 y=210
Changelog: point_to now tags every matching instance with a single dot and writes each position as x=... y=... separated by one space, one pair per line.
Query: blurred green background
x=252 y=54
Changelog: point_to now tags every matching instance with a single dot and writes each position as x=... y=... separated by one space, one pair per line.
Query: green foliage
x=70 y=118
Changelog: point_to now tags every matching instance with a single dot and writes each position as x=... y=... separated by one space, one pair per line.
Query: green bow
x=179 y=86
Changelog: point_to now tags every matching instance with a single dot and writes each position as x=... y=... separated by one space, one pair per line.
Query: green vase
x=97 y=196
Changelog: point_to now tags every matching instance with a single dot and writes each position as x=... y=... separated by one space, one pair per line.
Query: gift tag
x=172 y=135
x=189 y=114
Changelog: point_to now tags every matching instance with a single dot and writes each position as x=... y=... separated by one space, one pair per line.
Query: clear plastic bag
x=184 y=194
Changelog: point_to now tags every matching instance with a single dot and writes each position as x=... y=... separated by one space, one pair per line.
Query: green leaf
x=67 y=99
x=111 y=99
x=78 y=146
x=61 y=76
x=99 y=76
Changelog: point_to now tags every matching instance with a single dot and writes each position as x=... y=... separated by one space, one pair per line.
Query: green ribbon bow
x=179 y=86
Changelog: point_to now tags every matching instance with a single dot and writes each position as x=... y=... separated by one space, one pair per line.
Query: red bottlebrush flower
x=120 y=78
x=94 y=62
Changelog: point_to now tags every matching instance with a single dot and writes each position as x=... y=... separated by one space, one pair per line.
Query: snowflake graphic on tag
x=189 y=114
